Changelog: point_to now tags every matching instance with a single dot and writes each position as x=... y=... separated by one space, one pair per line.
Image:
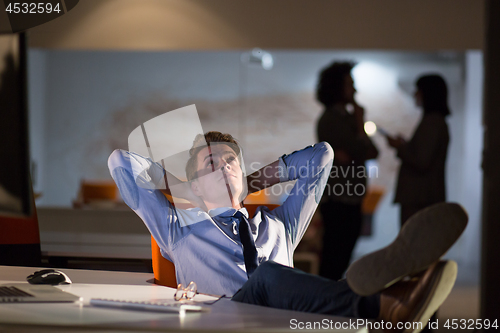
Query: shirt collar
x=226 y=212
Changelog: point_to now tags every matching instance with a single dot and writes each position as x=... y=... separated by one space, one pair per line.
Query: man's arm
x=152 y=176
x=264 y=177
x=137 y=179
x=310 y=167
x=174 y=187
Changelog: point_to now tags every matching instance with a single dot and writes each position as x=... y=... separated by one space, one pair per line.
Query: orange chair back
x=164 y=270
x=98 y=191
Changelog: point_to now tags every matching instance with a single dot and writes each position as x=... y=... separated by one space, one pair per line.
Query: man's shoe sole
x=423 y=240
x=441 y=287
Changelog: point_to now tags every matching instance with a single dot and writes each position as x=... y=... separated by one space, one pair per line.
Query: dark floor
x=462 y=303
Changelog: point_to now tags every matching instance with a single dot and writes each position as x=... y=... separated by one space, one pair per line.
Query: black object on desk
x=48 y=276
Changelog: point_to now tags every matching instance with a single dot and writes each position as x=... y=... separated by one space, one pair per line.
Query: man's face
x=219 y=181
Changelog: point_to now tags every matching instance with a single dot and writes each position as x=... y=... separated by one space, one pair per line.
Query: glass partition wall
x=87 y=103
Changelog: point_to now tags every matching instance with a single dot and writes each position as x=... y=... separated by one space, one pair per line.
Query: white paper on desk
x=127 y=292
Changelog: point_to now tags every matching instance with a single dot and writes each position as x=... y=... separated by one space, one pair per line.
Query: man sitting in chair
x=225 y=251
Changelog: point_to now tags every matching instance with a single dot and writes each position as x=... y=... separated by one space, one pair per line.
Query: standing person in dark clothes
x=344 y=131
x=421 y=180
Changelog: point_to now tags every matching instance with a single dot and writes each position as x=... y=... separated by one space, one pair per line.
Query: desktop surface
x=225 y=315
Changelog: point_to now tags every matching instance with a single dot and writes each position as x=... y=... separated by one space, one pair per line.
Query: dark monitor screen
x=15 y=188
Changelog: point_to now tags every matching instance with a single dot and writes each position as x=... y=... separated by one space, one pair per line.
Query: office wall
x=471 y=185
x=91 y=101
x=229 y=24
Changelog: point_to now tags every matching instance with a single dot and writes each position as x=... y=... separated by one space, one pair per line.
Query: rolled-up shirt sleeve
x=310 y=167
x=138 y=179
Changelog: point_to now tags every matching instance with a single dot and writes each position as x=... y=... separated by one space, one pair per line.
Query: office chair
x=96 y=193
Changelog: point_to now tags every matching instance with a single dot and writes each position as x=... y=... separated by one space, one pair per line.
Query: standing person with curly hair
x=344 y=131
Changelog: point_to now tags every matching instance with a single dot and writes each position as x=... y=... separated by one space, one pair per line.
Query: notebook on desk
x=153 y=305
x=29 y=293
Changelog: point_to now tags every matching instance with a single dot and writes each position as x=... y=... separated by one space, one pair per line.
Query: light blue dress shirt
x=205 y=246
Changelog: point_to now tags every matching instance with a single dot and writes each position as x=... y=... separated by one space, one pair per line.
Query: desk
x=225 y=315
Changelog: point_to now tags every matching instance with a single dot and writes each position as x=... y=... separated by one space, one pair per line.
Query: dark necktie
x=249 y=250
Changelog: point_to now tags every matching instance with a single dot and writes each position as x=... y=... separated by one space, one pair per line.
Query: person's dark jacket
x=338 y=127
x=421 y=177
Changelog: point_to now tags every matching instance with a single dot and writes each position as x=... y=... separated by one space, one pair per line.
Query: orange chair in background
x=372 y=199
x=98 y=190
x=164 y=270
x=96 y=194
x=370 y=202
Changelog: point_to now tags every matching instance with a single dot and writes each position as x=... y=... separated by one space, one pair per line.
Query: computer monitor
x=19 y=234
x=15 y=186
